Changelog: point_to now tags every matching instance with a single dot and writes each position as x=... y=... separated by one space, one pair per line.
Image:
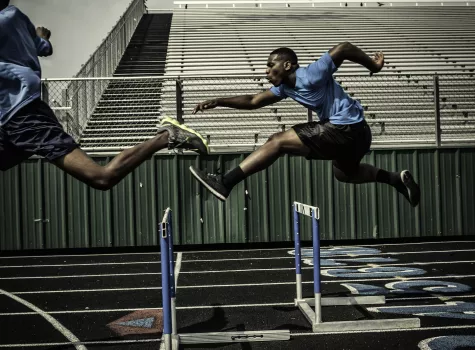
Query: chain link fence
x=107 y=56
x=106 y=114
x=457 y=108
x=398 y=108
x=111 y=114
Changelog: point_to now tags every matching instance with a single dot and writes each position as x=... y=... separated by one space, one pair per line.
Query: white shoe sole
x=212 y=190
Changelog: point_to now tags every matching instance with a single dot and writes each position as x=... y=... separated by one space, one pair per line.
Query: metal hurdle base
x=342 y=301
x=233 y=337
x=314 y=315
x=305 y=305
x=170 y=339
x=173 y=341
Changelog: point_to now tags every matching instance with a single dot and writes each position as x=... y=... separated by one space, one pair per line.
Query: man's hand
x=378 y=62
x=44 y=33
x=210 y=104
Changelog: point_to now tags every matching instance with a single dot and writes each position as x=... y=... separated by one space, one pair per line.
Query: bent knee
x=101 y=185
x=282 y=139
x=101 y=180
x=277 y=137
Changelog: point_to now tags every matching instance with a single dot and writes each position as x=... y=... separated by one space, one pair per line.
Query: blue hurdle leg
x=316 y=267
x=164 y=252
x=298 y=258
x=172 y=275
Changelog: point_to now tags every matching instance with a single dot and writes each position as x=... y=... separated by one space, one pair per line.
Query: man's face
x=277 y=70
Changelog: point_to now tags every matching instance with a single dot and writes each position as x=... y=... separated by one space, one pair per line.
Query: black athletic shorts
x=33 y=130
x=344 y=144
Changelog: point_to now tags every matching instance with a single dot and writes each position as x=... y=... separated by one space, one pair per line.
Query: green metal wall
x=40 y=207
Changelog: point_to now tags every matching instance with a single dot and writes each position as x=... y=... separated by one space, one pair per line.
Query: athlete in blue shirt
x=341 y=134
x=28 y=126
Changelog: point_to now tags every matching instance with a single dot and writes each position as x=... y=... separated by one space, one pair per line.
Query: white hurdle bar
x=315 y=316
x=171 y=339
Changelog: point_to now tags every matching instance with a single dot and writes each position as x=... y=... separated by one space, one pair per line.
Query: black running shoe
x=183 y=137
x=412 y=188
x=212 y=182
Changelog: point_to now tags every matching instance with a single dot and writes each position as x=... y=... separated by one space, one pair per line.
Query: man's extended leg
x=353 y=172
x=79 y=165
x=171 y=134
x=34 y=129
x=278 y=144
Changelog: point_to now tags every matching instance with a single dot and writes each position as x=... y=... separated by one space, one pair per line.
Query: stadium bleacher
x=216 y=52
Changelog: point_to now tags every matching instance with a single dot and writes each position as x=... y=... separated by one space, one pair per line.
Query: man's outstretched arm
x=350 y=52
x=240 y=102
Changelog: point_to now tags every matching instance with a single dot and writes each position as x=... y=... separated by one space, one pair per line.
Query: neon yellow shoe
x=183 y=137
x=169 y=120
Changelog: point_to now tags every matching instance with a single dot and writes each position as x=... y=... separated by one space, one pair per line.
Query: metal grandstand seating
x=223 y=52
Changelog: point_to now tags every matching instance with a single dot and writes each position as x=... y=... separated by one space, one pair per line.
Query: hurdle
x=314 y=316
x=171 y=340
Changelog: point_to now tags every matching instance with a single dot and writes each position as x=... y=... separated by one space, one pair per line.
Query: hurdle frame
x=171 y=340
x=305 y=304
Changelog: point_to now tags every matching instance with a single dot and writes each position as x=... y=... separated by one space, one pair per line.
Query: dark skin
x=283 y=71
x=44 y=33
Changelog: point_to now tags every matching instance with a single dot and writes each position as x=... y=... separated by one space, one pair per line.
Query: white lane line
x=413 y=243
x=80 y=276
x=110 y=342
x=149 y=308
x=444 y=296
x=77 y=265
x=357 y=280
x=385 y=330
x=309 y=334
x=74 y=255
x=340 y=259
x=198 y=307
x=223 y=251
x=343 y=246
x=179 y=262
x=369 y=264
x=55 y=323
x=239 y=259
x=327 y=282
x=69 y=312
x=336 y=256
x=64 y=291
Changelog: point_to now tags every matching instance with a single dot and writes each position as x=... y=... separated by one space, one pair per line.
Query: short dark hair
x=285 y=54
x=4 y=3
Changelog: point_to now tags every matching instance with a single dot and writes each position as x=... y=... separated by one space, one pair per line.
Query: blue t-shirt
x=316 y=89
x=20 y=71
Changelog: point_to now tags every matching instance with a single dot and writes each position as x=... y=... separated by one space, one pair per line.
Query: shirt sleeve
x=321 y=70
x=43 y=47
x=278 y=91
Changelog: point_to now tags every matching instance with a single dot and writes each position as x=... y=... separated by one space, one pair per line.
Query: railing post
x=179 y=100
x=437 y=111
x=74 y=103
x=44 y=91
